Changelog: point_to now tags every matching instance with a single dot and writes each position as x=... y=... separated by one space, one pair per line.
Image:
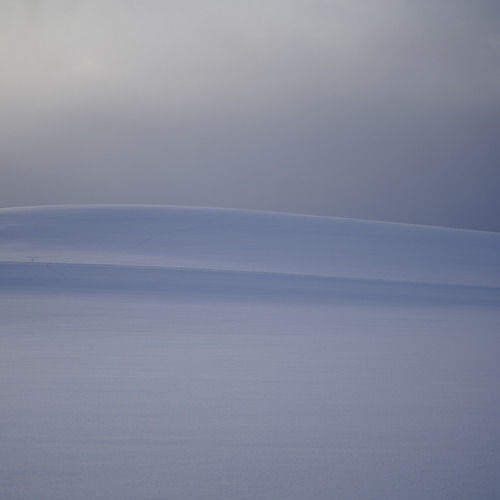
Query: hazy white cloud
x=321 y=98
x=172 y=54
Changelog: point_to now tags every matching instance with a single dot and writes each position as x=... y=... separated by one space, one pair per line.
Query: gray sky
x=374 y=109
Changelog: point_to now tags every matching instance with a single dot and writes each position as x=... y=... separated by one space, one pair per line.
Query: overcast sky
x=373 y=109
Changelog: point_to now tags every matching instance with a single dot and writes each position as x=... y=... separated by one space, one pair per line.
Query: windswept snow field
x=152 y=353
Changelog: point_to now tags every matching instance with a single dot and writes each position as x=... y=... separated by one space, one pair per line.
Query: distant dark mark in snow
x=168 y=232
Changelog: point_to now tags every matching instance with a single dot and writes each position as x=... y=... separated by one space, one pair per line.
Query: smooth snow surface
x=156 y=352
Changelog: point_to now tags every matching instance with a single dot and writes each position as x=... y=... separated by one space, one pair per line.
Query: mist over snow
x=150 y=349
x=168 y=352
x=367 y=109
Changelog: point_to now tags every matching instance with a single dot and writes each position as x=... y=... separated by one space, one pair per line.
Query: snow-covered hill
x=168 y=352
x=248 y=241
x=214 y=251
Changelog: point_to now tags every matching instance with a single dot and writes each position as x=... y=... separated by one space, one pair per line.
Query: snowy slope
x=214 y=251
x=167 y=352
x=248 y=240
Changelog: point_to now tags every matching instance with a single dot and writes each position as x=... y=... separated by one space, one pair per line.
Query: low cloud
x=366 y=109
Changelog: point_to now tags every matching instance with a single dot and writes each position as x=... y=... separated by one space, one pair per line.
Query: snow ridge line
x=68 y=266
